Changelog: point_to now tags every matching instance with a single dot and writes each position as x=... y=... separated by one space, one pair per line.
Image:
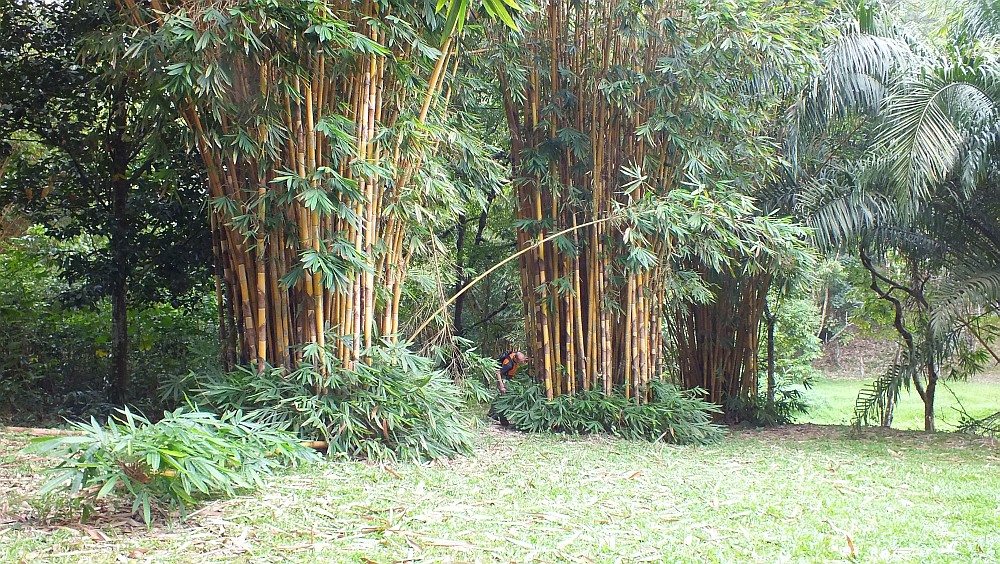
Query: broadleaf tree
x=94 y=157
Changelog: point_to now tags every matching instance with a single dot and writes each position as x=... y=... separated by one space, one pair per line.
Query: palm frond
x=978 y=18
x=986 y=427
x=857 y=69
x=961 y=294
x=875 y=402
x=980 y=152
x=928 y=124
x=841 y=209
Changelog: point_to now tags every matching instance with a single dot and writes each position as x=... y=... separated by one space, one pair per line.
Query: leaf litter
x=564 y=502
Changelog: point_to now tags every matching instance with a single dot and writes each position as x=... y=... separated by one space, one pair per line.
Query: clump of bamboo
x=613 y=106
x=717 y=343
x=312 y=119
x=592 y=307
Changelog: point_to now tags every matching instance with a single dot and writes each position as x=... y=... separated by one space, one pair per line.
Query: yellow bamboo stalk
x=593 y=305
x=372 y=217
x=643 y=338
x=247 y=310
x=498 y=265
x=605 y=339
x=544 y=309
x=569 y=336
x=434 y=83
x=581 y=364
x=629 y=341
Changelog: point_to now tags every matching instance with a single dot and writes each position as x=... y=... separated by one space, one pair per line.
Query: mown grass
x=832 y=403
x=802 y=493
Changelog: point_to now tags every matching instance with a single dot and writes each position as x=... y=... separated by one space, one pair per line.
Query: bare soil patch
x=863 y=357
x=991 y=376
x=809 y=432
x=860 y=357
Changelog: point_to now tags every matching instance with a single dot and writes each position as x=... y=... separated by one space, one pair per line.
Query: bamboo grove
x=612 y=109
x=319 y=124
x=314 y=120
x=587 y=331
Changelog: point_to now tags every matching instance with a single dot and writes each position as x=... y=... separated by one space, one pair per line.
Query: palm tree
x=922 y=190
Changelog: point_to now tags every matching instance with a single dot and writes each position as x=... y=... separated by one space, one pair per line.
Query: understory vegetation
x=669 y=416
x=185 y=457
x=802 y=493
x=55 y=351
x=394 y=406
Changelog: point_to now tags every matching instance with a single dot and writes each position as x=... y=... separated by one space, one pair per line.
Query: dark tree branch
x=492 y=314
x=483 y=217
x=886 y=295
x=893 y=285
x=143 y=169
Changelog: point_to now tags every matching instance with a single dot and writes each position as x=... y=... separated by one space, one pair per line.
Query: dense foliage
x=896 y=164
x=614 y=108
x=91 y=156
x=395 y=406
x=185 y=457
x=327 y=146
x=666 y=175
x=670 y=415
x=55 y=354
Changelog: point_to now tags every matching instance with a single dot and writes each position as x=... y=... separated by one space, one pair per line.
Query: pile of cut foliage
x=393 y=406
x=186 y=457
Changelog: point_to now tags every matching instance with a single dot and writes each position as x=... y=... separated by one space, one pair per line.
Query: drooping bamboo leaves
x=617 y=108
x=315 y=120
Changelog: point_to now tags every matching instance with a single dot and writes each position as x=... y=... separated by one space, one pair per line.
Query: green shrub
x=167 y=343
x=185 y=457
x=393 y=406
x=473 y=373
x=672 y=415
x=796 y=345
x=788 y=402
x=25 y=328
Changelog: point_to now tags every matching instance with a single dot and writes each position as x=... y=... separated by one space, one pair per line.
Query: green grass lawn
x=799 y=494
x=832 y=402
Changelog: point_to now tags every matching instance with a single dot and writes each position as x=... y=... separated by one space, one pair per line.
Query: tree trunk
x=119 y=150
x=932 y=379
x=823 y=312
x=771 y=320
x=890 y=408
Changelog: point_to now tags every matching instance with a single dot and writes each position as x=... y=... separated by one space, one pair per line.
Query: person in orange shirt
x=509 y=363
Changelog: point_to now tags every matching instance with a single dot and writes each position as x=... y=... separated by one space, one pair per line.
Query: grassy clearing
x=801 y=493
x=832 y=402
